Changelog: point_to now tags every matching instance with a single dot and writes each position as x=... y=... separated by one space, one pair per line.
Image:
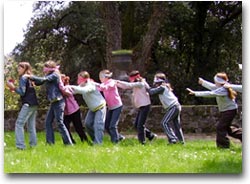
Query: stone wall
x=194 y=119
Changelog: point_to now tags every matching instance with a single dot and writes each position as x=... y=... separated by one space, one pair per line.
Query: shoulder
x=23 y=78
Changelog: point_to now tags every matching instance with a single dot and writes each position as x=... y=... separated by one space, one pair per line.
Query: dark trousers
x=75 y=118
x=111 y=123
x=139 y=124
x=173 y=115
x=224 y=128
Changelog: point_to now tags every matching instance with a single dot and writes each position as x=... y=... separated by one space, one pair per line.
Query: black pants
x=139 y=124
x=76 y=119
x=224 y=128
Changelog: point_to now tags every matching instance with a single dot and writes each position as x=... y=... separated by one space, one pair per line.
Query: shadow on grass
x=221 y=167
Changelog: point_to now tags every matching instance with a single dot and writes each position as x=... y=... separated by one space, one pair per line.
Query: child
x=114 y=104
x=95 y=117
x=171 y=105
x=141 y=101
x=29 y=107
x=225 y=98
x=57 y=103
x=72 y=111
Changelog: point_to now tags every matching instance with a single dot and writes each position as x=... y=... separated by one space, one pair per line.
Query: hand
x=226 y=85
x=200 y=81
x=191 y=92
x=27 y=75
x=10 y=85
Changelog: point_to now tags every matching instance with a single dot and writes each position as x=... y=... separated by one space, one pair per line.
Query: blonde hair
x=231 y=93
x=105 y=74
x=50 y=64
x=84 y=74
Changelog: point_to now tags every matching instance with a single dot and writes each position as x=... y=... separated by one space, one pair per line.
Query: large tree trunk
x=142 y=52
x=113 y=29
x=199 y=30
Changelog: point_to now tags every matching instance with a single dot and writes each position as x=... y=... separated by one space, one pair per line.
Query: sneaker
x=153 y=137
x=172 y=142
x=121 y=138
x=20 y=148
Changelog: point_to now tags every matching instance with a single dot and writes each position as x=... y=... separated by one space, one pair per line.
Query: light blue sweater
x=221 y=95
x=166 y=96
x=93 y=98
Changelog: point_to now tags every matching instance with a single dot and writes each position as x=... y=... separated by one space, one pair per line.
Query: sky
x=16 y=17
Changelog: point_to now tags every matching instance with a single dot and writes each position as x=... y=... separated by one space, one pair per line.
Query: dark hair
x=65 y=79
x=135 y=73
x=26 y=66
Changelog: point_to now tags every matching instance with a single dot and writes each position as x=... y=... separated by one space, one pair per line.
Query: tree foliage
x=186 y=40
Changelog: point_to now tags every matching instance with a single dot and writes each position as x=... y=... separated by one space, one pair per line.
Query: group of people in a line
x=105 y=106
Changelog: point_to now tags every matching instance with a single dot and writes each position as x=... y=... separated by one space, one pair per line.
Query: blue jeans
x=111 y=123
x=56 y=111
x=27 y=114
x=94 y=123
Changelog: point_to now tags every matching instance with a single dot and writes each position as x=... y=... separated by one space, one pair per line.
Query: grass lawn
x=196 y=156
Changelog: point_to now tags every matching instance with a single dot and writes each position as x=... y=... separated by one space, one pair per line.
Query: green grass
x=196 y=156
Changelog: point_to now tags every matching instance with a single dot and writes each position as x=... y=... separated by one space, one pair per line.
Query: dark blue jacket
x=26 y=91
x=52 y=86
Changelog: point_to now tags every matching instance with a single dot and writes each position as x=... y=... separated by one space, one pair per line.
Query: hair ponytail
x=231 y=93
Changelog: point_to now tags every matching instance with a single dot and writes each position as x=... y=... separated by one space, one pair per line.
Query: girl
x=171 y=105
x=72 y=111
x=225 y=98
x=141 y=101
x=95 y=117
x=114 y=104
x=29 y=106
x=57 y=103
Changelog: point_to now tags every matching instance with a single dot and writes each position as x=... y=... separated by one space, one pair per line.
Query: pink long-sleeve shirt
x=140 y=96
x=71 y=105
x=111 y=94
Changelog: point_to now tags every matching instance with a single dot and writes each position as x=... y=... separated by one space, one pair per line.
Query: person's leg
x=107 y=121
x=31 y=126
x=168 y=117
x=89 y=124
x=226 y=118
x=113 y=127
x=67 y=120
x=177 y=125
x=142 y=116
x=50 y=137
x=77 y=122
x=58 y=108
x=99 y=120
x=19 y=126
x=235 y=132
